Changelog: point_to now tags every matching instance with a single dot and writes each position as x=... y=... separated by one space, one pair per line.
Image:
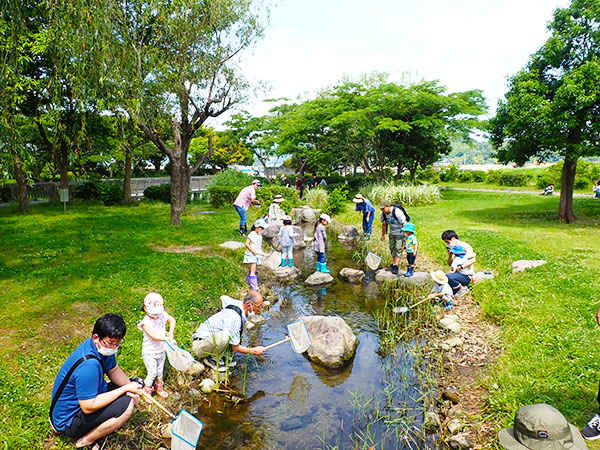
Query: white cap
x=260 y=223
x=256 y=182
x=154 y=303
x=325 y=217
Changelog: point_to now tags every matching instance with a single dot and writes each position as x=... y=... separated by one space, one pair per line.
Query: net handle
x=278 y=343
x=151 y=400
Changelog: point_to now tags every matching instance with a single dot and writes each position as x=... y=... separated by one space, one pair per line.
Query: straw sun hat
x=278 y=198
x=358 y=198
x=438 y=276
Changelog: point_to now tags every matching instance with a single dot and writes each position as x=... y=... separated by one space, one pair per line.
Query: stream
x=290 y=403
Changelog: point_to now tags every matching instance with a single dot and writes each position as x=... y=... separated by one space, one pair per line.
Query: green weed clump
x=316 y=197
x=404 y=194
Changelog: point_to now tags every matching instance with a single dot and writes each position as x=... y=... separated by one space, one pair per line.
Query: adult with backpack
x=224 y=329
x=83 y=406
x=393 y=217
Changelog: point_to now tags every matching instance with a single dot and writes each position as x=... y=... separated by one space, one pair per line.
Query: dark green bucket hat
x=541 y=427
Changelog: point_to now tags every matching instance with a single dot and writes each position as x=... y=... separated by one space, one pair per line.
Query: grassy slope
x=547 y=315
x=60 y=271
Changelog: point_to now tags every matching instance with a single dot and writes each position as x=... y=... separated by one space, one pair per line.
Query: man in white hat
x=245 y=199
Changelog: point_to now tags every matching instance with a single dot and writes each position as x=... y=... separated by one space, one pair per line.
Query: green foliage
x=449 y=173
x=221 y=196
x=5 y=194
x=464 y=176
x=429 y=174
x=108 y=192
x=479 y=176
x=404 y=194
x=266 y=194
x=230 y=177
x=318 y=197
x=160 y=193
x=512 y=178
x=544 y=179
x=336 y=201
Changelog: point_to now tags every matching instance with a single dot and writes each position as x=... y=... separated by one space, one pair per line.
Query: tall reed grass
x=316 y=197
x=404 y=194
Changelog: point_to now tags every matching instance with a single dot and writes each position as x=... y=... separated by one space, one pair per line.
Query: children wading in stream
x=319 y=242
x=254 y=253
x=286 y=238
x=154 y=327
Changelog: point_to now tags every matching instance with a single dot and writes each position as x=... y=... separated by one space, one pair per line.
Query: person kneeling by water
x=223 y=329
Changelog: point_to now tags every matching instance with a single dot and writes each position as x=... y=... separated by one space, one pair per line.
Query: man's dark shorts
x=82 y=423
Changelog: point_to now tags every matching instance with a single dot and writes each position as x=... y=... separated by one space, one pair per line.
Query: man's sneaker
x=391 y=268
x=461 y=292
x=592 y=430
x=395 y=270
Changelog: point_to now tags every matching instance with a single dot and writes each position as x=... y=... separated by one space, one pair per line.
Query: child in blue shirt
x=410 y=244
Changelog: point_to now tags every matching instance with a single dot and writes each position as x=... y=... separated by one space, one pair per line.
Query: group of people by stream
x=85 y=408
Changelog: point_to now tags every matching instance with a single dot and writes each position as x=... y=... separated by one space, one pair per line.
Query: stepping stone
x=232 y=245
x=418 y=278
x=349 y=233
x=318 y=278
x=522 y=264
x=352 y=276
x=273 y=261
x=284 y=274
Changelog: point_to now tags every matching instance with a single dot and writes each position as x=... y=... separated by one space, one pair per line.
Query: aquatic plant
x=404 y=194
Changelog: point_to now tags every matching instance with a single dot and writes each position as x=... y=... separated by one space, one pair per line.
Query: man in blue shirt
x=368 y=211
x=87 y=408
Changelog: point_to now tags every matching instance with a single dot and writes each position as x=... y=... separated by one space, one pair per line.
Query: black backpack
x=401 y=209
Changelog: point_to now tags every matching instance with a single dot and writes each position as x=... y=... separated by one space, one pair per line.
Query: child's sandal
x=160 y=391
x=148 y=390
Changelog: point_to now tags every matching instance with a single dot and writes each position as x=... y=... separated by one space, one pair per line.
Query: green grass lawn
x=529 y=187
x=546 y=314
x=60 y=271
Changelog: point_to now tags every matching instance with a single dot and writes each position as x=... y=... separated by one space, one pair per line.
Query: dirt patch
x=181 y=249
x=467 y=364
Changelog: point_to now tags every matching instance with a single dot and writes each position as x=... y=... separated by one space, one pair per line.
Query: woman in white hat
x=368 y=211
x=275 y=211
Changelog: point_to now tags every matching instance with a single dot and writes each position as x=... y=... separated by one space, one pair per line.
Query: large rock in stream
x=333 y=344
x=286 y=274
x=318 y=279
x=418 y=278
x=349 y=233
x=352 y=276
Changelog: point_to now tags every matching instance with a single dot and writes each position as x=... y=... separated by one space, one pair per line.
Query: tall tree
x=178 y=57
x=553 y=104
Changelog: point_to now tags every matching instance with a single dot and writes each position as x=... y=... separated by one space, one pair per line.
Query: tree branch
x=208 y=154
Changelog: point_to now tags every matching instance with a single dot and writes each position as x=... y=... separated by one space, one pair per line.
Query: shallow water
x=291 y=403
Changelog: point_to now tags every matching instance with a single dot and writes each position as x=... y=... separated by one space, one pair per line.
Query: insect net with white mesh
x=299 y=336
x=373 y=260
x=186 y=431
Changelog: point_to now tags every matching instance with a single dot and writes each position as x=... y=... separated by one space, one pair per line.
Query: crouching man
x=84 y=406
x=214 y=336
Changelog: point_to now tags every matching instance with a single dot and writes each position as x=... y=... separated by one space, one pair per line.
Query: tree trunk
x=565 y=210
x=62 y=161
x=180 y=174
x=127 y=178
x=21 y=184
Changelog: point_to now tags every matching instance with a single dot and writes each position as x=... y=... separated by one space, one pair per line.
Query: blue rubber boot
x=409 y=272
x=283 y=262
x=291 y=262
x=324 y=268
x=318 y=266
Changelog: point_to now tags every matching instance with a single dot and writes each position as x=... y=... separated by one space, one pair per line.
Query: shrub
x=230 y=177
x=508 y=178
x=337 y=201
x=582 y=183
x=161 y=193
x=449 y=173
x=465 y=176
x=266 y=194
x=406 y=195
x=87 y=191
x=493 y=176
x=479 y=176
x=318 y=197
x=544 y=179
x=223 y=195
x=5 y=194
x=429 y=174
x=111 y=192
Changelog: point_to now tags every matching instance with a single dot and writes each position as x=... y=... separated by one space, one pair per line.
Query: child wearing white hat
x=319 y=242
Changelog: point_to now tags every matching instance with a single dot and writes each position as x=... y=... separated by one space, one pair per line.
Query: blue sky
x=466 y=44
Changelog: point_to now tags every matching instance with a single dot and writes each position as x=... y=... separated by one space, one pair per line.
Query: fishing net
x=299 y=336
x=179 y=358
x=186 y=431
x=373 y=260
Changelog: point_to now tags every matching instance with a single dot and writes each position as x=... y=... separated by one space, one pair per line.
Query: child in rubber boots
x=154 y=327
x=442 y=291
x=286 y=239
x=319 y=241
x=410 y=244
x=254 y=253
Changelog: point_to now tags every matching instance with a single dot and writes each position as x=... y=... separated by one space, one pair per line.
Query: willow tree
x=553 y=104
x=172 y=65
